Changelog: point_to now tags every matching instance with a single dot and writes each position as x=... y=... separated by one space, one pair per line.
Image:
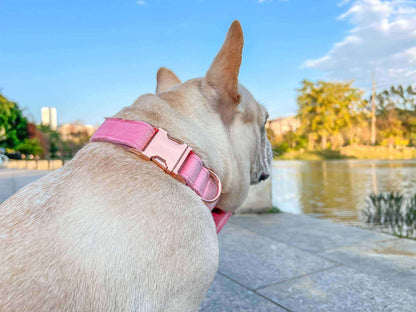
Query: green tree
x=406 y=97
x=13 y=125
x=396 y=113
x=325 y=108
x=29 y=147
x=54 y=142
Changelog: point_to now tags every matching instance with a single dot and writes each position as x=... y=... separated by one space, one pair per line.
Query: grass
x=353 y=152
x=392 y=211
x=313 y=155
x=378 y=152
x=274 y=209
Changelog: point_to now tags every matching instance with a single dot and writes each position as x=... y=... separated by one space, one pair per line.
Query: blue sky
x=91 y=58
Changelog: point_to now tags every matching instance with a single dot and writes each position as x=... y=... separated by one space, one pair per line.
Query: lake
x=337 y=189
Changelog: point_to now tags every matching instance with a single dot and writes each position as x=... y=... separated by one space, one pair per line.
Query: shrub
x=29 y=147
x=393 y=211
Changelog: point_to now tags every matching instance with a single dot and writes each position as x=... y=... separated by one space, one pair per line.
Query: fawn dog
x=110 y=231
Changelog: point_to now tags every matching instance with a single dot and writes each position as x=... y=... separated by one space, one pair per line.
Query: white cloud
x=343 y=2
x=382 y=39
x=141 y=2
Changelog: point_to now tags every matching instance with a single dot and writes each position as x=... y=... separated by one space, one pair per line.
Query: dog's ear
x=166 y=79
x=223 y=73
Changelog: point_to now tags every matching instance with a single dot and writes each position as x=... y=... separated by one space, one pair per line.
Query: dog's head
x=220 y=119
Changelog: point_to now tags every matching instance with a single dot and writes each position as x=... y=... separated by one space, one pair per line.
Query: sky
x=91 y=58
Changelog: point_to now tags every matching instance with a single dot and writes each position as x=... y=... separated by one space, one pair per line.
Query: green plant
x=393 y=211
x=29 y=147
x=13 y=124
x=274 y=209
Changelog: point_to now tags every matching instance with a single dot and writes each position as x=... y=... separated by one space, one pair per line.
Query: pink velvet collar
x=172 y=156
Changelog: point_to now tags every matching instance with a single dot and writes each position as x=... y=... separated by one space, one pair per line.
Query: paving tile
x=341 y=289
x=12 y=180
x=406 y=279
x=227 y=296
x=283 y=219
x=6 y=189
x=379 y=258
x=307 y=233
x=256 y=261
x=21 y=181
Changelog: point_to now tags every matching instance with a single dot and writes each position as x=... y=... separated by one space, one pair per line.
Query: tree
x=13 y=125
x=397 y=113
x=29 y=147
x=74 y=137
x=325 y=108
x=53 y=142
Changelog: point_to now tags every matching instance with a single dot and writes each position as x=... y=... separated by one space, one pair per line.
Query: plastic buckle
x=169 y=154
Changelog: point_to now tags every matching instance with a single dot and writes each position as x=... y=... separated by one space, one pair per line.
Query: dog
x=110 y=231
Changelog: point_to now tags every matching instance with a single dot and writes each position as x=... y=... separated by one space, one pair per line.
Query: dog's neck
x=153 y=110
x=197 y=126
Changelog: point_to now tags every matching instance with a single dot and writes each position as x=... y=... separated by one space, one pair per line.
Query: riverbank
x=352 y=152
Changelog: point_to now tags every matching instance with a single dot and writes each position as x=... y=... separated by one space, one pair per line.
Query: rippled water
x=337 y=189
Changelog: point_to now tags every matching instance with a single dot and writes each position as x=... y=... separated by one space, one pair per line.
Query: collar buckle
x=168 y=153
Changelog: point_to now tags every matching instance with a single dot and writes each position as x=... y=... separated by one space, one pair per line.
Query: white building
x=49 y=117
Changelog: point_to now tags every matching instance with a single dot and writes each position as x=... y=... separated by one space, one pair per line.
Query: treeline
x=15 y=136
x=20 y=138
x=335 y=114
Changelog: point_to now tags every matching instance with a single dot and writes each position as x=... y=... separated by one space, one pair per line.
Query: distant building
x=49 y=117
x=74 y=137
x=280 y=126
x=76 y=131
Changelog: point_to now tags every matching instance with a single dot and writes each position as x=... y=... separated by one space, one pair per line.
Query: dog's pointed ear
x=166 y=79
x=223 y=73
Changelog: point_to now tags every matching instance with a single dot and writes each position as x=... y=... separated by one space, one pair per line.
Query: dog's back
x=67 y=244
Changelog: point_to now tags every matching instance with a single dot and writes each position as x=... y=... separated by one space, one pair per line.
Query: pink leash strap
x=174 y=157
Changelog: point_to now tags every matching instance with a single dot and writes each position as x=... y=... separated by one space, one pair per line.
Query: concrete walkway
x=11 y=180
x=285 y=262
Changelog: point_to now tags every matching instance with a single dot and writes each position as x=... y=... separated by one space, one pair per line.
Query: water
x=337 y=189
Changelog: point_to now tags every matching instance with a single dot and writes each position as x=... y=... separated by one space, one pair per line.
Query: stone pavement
x=285 y=262
x=11 y=180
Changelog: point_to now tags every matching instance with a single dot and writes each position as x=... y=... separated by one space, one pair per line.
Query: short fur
x=111 y=232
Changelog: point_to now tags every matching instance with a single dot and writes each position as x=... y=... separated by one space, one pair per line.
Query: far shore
x=346 y=152
x=353 y=152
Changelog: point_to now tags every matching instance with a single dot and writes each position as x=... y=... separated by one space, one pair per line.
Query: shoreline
x=353 y=152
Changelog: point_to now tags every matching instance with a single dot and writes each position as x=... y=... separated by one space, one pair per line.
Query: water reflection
x=337 y=189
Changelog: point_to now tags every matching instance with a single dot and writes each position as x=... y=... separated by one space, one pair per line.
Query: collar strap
x=172 y=156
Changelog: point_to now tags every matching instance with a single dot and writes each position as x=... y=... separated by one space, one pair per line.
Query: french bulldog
x=112 y=232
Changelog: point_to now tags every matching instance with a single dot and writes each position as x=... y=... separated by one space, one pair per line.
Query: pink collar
x=172 y=156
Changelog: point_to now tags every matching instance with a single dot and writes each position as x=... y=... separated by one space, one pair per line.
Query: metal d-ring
x=219 y=187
